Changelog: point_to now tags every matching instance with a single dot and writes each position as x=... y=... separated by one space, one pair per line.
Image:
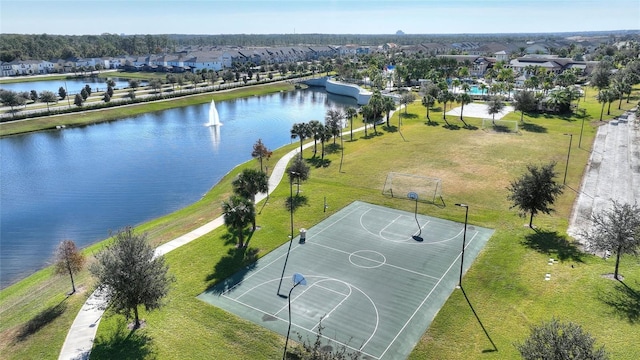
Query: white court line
x=311 y=236
x=311 y=330
x=362 y=257
x=346 y=296
x=426 y=298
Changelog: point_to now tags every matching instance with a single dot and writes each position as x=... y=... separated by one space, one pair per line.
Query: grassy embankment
x=505 y=285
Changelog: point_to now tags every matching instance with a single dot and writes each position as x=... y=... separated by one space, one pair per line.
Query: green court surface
x=374 y=284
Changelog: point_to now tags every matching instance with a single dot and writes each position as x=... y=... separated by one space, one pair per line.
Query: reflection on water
x=80 y=183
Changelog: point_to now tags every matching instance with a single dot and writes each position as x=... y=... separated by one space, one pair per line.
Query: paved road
x=613 y=172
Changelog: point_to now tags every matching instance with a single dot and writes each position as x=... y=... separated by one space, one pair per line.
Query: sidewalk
x=79 y=340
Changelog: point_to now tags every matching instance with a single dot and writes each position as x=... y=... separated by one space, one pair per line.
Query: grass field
x=505 y=285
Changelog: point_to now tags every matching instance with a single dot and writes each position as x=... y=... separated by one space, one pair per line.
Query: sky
x=213 y=17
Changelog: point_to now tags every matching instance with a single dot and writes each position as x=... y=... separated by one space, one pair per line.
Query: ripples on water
x=80 y=183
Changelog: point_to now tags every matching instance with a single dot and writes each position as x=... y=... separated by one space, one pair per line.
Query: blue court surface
x=374 y=275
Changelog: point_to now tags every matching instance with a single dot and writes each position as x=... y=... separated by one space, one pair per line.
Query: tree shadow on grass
x=553 y=244
x=332 y=148
x=409 y=116
x=470 y=127
x=123 y=344
x=231 y=269
x=451 y=127
x=432 y=123
x=391 y=129
x=533 y=128
x=624 y=301
x=298 y=200
x=319 y=162
x=43 y=318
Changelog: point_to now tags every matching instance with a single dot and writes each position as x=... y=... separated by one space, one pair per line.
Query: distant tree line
x=46 y=47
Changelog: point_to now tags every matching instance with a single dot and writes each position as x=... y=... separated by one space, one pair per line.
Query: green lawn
x=505 y=285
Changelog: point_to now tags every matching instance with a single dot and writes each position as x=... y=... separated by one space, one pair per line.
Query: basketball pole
x=464 y=239
x=290 y=237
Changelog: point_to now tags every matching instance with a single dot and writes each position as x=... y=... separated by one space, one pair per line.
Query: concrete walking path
x=79 y=340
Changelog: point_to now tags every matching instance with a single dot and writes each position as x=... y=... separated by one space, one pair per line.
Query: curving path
x=79 y=340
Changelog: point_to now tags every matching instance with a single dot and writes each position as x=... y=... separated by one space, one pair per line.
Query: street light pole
x=464 y=239
x=298 y=279
x=566 y=169
x=581 y=128
x=291 y=236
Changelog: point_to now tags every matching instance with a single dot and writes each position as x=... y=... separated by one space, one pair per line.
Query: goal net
x=503 y=126
x=409 y=186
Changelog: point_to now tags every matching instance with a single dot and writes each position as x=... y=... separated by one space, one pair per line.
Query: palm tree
x=463 y=99
x=388 y=105
x=249 y=183
x=603 y=97
x=444 y=97
x=238 y=212
x=351 y=112
x=367 y=115
x=316 y=128
x=428 y=101
x=301 y=131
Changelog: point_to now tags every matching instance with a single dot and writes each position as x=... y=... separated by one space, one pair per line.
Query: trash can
x=303 y=235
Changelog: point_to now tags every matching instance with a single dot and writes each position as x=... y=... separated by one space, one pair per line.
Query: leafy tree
x=87 y=88
x=616 y=229
x=130 y=275
x=131 y=94
x=84 y=94
x=555 y=340
x=134 y=84
x=333 y=119
x=301 y=131
x=33 y=95
x=68 y=260
x=495 y=106
x=260 y=152
x=249 y=183
x=78 y=100
x=350 y=113
x=106 y=97
x=111 y=83
x=307 y=350
x=10 y=98
x=406 y=99
x=238 y=212
x=600 y=77
x=156 y=85
x=48 y=97
x=535 y=191
x=110 y=90
x=62 y=93
x=524 y=101
x=298 y=170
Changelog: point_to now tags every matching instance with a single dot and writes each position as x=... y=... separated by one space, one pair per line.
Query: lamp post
x=297 y=279
x=566 y=169
x=464 y=239
x=581 y=128
x=292 y=174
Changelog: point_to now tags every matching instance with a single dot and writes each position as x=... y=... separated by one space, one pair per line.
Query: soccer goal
x=502 y=126
x=409 y=186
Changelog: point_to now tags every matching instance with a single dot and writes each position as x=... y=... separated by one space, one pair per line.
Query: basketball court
x=376 y=277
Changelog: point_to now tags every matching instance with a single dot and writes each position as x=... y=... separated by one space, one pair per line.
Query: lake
x=80 y=183
x=73 y=86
